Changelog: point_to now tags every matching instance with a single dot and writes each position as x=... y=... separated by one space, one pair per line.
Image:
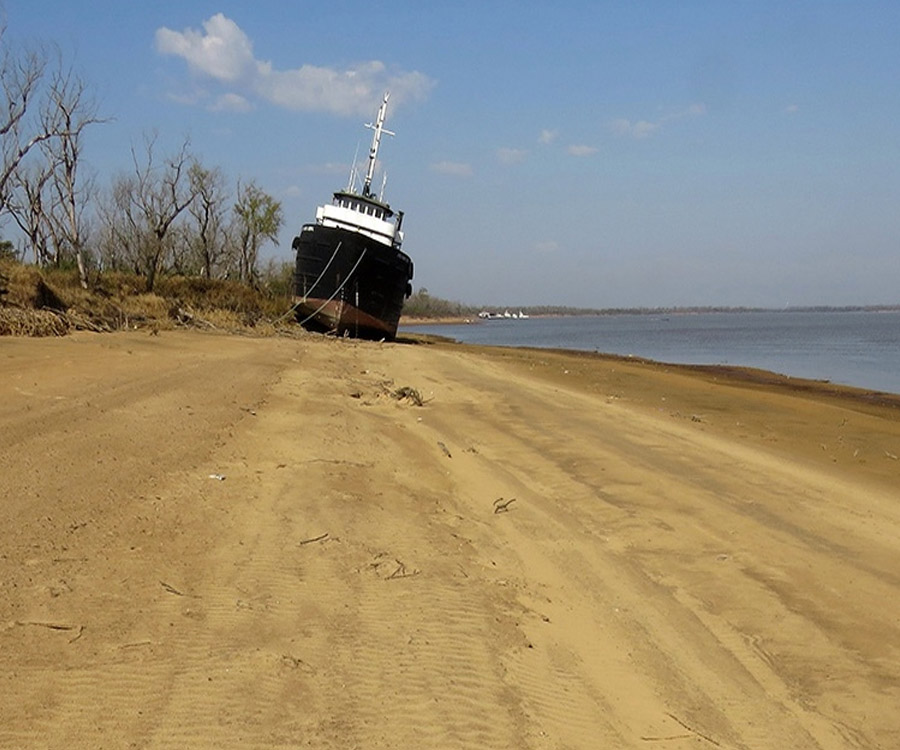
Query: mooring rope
x=336 y=291
x=293 y=307
x=327 y=265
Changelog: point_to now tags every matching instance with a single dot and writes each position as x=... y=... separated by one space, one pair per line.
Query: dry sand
x=690 y=560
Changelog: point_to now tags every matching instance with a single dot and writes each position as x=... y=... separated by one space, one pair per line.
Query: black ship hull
x=348 y=283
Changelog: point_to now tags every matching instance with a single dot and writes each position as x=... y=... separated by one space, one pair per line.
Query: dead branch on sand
x=695 y=731
x=409 y=394
x=53 y=626
x=48 y=625
x=401 y=572
x=501 y=505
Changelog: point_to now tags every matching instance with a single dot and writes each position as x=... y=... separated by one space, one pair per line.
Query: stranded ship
x=351 y=276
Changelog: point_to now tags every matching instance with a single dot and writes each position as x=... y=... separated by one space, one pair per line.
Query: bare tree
x=28 y=194
x=67 y=112
x=121 y=226
x=258 y=217
x=144 y=206
x=208 y=214
x=20 y=79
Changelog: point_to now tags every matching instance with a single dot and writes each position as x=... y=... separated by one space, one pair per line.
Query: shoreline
x=736 y=373
x=830 y=350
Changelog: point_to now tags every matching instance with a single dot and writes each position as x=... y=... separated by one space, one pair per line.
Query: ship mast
x=379 y=128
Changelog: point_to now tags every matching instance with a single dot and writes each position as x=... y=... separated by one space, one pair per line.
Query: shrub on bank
x=36 y=302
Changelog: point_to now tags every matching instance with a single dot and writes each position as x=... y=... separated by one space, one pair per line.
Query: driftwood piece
x=501 y=505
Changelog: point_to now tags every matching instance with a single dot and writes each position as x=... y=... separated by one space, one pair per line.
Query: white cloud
x=191 y=98
x=231 y=103
x=639 y=129
x=792 y=109
x=581 y=150
x=224 y=53
x=548 y=136
x=511 y=155
x=457 y=169
x=645 y=128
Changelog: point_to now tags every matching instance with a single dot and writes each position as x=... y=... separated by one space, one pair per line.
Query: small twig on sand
x=400 y=572
x=695 y=731
x=501 y=505
x=667 y=739
x=335 y=461
x=48 y=625
x=294 y=663
x=78 y=635
x=445 y=449
x=320 y=538
x=136 y=644
x=171 y=589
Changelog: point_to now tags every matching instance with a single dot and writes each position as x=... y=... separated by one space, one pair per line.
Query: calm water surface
x=853 y=348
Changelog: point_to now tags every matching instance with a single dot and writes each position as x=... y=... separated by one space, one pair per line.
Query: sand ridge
x=681 y=561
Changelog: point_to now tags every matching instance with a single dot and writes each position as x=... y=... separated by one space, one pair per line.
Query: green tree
x=257 y=217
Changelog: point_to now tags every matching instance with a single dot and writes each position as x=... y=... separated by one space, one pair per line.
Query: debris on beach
x=502 y=506
x=408 y=394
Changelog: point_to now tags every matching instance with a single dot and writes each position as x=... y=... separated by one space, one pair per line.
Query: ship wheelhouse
x=365 y=215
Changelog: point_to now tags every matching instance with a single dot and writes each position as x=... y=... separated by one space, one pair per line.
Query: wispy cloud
x=223 y=52
x=231 y=103
x=511 y=155
x=646 y=128
x=581 y=150
x=639 y=129
x=547 y=137
x=454 y=168
x=792 y=109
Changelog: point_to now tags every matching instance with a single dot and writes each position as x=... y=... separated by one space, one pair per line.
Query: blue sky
x=599 y=154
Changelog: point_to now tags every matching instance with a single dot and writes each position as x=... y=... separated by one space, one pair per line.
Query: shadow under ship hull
x=348 y=284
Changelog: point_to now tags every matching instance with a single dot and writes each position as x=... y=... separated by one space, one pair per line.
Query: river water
x=853 y=348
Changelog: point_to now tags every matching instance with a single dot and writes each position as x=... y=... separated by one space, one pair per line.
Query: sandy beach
x=219 y=541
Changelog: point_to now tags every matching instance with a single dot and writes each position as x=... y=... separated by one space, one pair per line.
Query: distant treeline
x=422 y=304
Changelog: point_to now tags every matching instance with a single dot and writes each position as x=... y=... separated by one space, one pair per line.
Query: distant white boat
x=505 y=315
